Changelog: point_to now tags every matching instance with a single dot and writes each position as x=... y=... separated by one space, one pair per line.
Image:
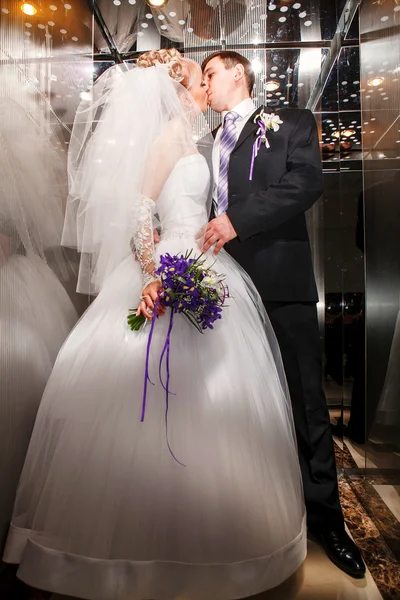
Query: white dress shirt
x=245 y=109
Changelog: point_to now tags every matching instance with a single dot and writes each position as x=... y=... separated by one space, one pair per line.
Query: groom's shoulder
x=295 y=115
x=296 y=118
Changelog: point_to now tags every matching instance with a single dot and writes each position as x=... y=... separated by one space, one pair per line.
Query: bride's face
x=198 y=90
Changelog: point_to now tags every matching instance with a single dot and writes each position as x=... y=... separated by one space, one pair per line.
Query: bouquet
x=190 y=288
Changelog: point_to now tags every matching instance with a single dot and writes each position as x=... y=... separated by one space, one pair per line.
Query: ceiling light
x=375 y=81
x=347 y=133
x=29 y=8
x=157 y=3
x=271 y=86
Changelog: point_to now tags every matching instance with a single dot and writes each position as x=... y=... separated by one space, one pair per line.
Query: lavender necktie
x=227 y=144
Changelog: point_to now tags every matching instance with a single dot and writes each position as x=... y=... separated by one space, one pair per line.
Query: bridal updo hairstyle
x=180 y=69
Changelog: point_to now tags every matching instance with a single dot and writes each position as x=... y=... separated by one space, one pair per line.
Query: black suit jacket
x=268 y=213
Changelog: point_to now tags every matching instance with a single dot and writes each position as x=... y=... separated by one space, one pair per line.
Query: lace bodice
x=181 y=207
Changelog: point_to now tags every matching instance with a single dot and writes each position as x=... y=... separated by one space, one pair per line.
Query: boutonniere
x=266 y=122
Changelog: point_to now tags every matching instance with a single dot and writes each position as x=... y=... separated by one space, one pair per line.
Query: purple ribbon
x=165 y=352
x=146 y=371
x=257 y=145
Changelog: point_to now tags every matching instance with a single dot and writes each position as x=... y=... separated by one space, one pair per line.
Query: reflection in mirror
x=343 y=262
x=43 y=72
x=380 y=83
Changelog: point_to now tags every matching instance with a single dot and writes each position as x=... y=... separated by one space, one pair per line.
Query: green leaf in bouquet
x=135 y=321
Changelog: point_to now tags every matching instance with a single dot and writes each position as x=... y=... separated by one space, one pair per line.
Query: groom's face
x=219 y=84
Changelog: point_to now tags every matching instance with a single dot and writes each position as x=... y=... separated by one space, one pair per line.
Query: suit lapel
x=214 y=131
x=249 y=128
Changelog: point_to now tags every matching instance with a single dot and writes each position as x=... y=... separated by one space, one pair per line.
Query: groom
x=258 y=216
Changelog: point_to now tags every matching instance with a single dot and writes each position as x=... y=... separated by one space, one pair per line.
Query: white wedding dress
x=103 y=510
x=36 y=316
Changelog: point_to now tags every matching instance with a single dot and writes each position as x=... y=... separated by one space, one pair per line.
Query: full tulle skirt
x=36 y=316
x=202 y=502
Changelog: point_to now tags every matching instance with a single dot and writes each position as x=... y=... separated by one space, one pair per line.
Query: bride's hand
x=150 y=295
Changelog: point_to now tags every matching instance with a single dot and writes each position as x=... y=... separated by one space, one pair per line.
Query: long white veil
x=125 y=141
x=33 y=186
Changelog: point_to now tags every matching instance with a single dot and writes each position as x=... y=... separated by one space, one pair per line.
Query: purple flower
x=183 y=291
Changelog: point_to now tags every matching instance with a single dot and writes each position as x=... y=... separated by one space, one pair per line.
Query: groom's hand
x=219 y=231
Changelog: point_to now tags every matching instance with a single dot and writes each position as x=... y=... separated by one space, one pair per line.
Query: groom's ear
x=239 y=73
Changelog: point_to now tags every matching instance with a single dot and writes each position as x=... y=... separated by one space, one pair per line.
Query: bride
x=104 y=511
x=36 y=313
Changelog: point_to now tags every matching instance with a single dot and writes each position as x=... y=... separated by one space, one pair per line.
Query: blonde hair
x=180 y=69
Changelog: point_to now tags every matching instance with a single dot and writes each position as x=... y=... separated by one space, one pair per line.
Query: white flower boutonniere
x=266 y=122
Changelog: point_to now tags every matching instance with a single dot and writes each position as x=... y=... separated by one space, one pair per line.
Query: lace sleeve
x=143 y=239
x=165 y=152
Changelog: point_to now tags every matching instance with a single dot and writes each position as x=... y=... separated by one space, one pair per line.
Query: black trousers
x=296 y=328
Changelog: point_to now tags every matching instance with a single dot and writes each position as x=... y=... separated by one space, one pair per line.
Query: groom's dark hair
x=230 y=60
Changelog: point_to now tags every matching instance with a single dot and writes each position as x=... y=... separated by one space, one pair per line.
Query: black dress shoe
x=342 y=551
